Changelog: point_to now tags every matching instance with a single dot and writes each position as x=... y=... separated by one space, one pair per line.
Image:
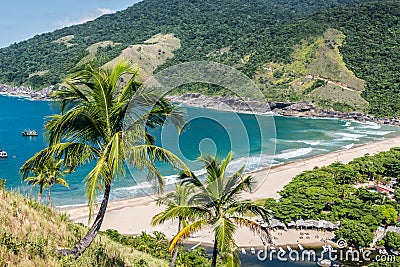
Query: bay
x=258 y=141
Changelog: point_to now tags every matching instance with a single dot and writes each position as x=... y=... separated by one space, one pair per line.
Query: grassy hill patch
x=30 y=235
x=150 y=54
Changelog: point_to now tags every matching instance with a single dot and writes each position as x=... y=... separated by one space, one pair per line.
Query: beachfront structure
x=275 y=223
x=392 y=228
x=313 y=224
x=304 y=224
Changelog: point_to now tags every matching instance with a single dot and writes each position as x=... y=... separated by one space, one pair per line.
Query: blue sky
x=22 y=19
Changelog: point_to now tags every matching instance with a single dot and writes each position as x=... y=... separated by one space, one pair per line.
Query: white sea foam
x=252 y=163
x=348 y=146
x=371 y=132
x=69 y=206
x=320 y=143
x=370 y=125
x=349 y=136
x=294 y=153
x=143 y=188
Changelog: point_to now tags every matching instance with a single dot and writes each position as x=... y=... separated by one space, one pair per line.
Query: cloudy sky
x=22 y=19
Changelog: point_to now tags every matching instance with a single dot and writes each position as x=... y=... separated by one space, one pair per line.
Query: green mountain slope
x=249 y=35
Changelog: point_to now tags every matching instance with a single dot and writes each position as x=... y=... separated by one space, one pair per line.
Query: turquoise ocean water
x=253 y=139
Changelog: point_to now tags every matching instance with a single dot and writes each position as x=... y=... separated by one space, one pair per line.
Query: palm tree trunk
x=172 y=264
x=48 y=197
x=85 y=242
x=215 y=253
x=39 y=198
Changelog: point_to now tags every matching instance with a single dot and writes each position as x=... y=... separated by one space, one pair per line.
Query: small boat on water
x=3 y=154
x=29 y=133
x=324 y=263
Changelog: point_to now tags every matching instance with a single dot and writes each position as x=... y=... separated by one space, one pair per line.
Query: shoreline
x=290 y=109
x=132 y=216
x=253 y=172
x=231 y=104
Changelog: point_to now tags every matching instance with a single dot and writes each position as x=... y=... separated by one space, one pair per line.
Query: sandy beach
x=132 y=216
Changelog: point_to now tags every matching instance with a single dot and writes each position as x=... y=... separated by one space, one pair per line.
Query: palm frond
x=186 y=232
x=255 y=227
x=236 y=185
x=62 y=182
x=143 y=156
x=173 y=212
x=224 y=230
x=74 y=154
x=247 y=208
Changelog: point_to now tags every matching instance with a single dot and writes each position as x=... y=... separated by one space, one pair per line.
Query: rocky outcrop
x=298 y=109
x=235 y=104
x=26 y=92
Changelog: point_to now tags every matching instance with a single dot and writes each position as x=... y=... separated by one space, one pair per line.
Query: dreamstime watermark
x=251 y=140
x=341 y=253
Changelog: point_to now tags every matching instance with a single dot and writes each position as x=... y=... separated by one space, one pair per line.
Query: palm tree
x=46 y=174
x=37 y=177
x=180 y=197
x=216 y=203
x=55 y=173
x=92 y=126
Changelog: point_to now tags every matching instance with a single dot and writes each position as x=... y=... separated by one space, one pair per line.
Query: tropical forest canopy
x=353 y=43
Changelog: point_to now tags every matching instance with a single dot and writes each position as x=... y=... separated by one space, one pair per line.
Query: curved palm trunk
x=85 y=242
x=172 y=264
x=215 y=253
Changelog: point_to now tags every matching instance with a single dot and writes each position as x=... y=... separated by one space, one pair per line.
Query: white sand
x=133 y=216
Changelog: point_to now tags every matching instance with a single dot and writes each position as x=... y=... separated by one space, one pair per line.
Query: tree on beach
x=93 y=126
x=216 y=203
x=182 y=196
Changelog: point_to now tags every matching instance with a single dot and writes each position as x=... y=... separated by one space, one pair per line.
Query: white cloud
x=88 y=17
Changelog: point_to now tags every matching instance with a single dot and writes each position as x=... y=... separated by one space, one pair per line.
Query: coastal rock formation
x=26 y=92
x=226 y=103
x=298 y=109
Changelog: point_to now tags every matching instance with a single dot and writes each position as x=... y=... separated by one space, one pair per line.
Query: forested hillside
x=249 y=35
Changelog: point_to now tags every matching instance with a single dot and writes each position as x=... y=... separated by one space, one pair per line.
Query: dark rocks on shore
x=299 y=109
x=26 y=92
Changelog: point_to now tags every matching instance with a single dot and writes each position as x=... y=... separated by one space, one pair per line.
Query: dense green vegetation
x=391 y=241
x=246 y=35
x=372 y=39
x=329 y=193
x=157 y=245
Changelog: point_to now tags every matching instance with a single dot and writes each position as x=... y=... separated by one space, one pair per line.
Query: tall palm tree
x=182 y=196
x=216 y=203
x=92 y=126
